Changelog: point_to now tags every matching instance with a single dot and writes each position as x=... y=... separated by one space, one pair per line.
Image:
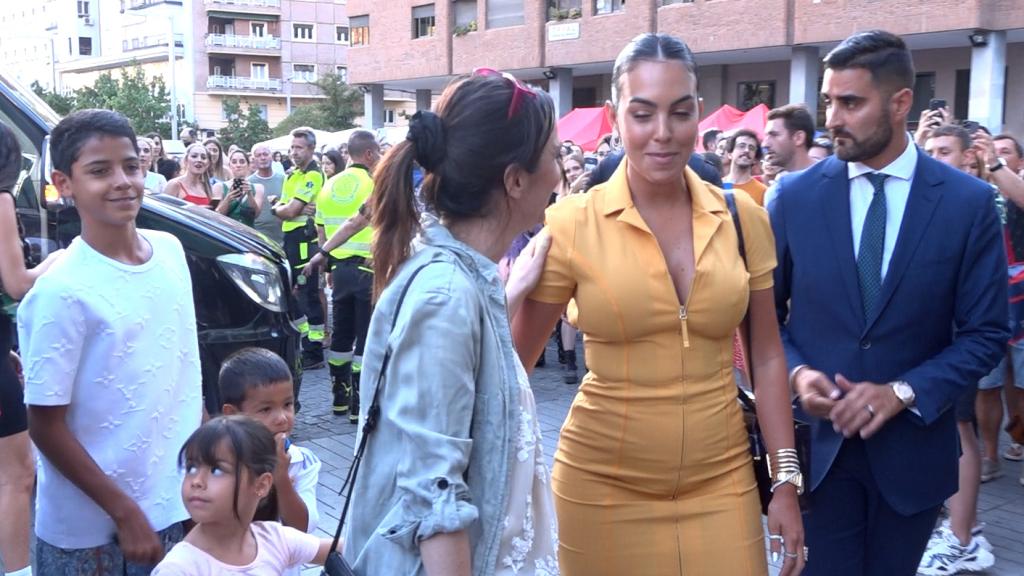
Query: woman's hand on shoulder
x=526 y=270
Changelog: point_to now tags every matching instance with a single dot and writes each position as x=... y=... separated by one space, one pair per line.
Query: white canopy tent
x=324 y=140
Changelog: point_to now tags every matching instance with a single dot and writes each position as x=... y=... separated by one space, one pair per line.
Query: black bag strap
x=372 y=417
x=745 y=396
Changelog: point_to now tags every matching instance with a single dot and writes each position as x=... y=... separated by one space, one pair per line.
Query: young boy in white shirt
x=257 y=383
x=112 y=374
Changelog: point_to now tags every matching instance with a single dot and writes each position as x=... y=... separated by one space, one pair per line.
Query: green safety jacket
x=338 y=201
x=304 y=185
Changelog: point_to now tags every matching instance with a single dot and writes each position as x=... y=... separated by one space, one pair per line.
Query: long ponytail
x=394 y=216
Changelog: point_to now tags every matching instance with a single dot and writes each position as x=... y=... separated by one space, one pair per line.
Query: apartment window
x=669 y=2
x=258 y=29
x=341 y=34
x=304 y=73
x=302 y=32
x=750 y=94
x=608 y=6
x=504 y=13
x=259 y=70
x=563 y=9
x=924 y=90
x=84 y=46
x=264 y=111
x=342 y=72
x=423 y=21
x=83 y=8
x=389 y=116
x=465 y=12
x=360 y=26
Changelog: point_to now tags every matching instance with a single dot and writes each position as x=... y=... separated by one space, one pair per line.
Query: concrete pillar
x=988 y=82
x=560 y=88
x=712 y=87
x=373 y=106
x=423 y=99
x=803 y=77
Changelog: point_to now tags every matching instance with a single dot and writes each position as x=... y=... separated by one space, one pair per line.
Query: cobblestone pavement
x=1001 y=504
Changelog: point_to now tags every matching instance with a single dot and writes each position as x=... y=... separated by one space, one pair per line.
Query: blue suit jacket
x=941 y=325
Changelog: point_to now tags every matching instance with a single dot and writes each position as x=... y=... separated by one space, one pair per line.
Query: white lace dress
x=529 y=539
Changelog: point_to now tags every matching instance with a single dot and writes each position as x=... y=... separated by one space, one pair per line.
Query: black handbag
x=801 y=430
x=336 y=565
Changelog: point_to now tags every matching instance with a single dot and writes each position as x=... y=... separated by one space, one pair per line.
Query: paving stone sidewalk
x=1001 y=504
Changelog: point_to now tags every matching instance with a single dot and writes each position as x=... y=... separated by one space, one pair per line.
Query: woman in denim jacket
x=453 y=480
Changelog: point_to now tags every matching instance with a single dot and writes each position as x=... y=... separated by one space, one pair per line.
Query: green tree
x=60 y=103
x=243 y=129
x=337 y=111
x=146 y=103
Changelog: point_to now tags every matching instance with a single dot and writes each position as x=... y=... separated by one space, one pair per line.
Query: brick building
x=268 y=53
x=969 y=52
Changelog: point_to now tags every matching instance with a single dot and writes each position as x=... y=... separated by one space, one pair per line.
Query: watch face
x=903 y=391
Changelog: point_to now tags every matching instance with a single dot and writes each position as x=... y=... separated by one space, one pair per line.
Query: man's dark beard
x=782 y=160
x=873 y=145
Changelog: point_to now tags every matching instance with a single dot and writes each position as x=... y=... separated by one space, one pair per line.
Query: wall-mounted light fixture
x=978 y=38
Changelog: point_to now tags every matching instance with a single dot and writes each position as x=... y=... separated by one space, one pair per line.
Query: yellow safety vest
x=304 y=185
x=338 y=201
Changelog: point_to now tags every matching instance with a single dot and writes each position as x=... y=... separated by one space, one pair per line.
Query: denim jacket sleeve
x=429 y=395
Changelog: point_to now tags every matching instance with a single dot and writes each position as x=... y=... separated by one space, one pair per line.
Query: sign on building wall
x=564 y=31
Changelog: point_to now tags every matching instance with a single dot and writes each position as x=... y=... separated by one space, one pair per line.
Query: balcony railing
x=250 y=42
x=244 y=83
x=246 y=3
x=145 y=42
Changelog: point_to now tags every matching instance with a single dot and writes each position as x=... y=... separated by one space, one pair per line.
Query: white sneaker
x=945 y=531
x=945 y=556
x=1015 y=452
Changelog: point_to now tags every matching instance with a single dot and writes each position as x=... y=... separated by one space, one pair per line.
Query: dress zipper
x=682 y=321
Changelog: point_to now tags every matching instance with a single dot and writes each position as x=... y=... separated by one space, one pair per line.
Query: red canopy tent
x=728 y=118
x=585 y=127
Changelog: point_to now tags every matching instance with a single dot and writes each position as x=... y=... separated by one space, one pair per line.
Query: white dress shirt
x=897 y=192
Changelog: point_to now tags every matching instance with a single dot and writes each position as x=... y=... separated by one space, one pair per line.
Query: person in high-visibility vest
x=297 y=203
x=351 y=273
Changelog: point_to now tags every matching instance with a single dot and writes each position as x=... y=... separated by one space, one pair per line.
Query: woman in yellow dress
x=653 y=474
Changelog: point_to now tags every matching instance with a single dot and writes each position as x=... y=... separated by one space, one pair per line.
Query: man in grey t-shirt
x=272 y=182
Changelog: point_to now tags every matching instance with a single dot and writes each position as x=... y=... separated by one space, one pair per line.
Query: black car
x=240 y=278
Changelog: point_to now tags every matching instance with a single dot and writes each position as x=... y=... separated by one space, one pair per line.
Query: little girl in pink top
x=229 y=464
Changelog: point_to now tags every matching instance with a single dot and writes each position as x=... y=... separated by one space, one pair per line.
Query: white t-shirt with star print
x=117 y=345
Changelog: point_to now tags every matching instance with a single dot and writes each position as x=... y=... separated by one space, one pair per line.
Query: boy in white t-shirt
x=257 y=383
x=112 y=375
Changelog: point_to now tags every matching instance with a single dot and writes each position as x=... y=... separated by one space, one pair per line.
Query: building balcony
x=217 y=83
x=232 y=44
x=153 y=41
x=262 y=7
x=141 y=4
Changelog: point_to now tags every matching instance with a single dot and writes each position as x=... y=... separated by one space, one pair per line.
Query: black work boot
x=341 y=387
x=570 y=374
x=353 y=405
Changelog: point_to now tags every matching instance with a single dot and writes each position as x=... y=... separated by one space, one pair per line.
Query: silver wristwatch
x=904 y=392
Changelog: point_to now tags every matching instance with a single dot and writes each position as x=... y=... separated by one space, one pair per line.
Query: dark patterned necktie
x=872 y=246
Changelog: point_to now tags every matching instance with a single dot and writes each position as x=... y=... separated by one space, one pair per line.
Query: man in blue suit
x=891 y=296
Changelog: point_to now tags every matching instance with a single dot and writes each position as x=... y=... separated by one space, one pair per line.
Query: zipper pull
x=682 y=321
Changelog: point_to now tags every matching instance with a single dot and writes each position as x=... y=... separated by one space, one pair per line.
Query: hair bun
x=426 y=132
